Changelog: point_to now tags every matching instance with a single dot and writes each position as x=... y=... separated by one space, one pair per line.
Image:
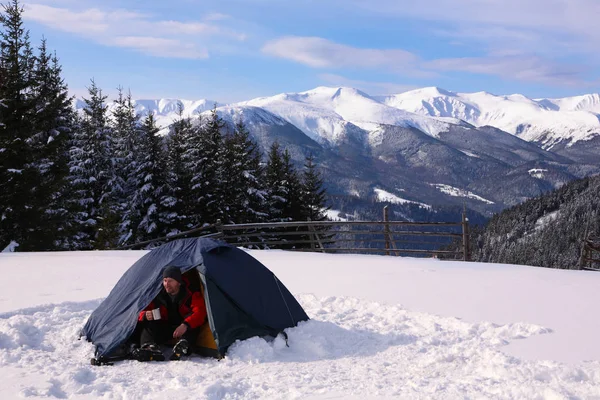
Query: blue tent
x=243 y=298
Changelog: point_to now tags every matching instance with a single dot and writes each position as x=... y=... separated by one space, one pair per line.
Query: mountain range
x=425 y=147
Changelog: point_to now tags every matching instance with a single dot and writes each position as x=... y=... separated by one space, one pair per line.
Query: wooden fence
x=590 y=254
x=375 y=237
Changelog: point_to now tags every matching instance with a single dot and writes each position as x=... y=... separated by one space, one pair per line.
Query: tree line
x=100 y=179
x=545 y=231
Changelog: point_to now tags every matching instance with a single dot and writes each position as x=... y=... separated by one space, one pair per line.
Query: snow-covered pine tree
x=17 y=177
x=244 y=201
x=314 y=193
x=294 y=208
x=92 y=173
x=275 y=185
x=177 y=191
x=207 y=190
x=314 y=198
x=52 y=123
x=126 y=138
x=152 y=183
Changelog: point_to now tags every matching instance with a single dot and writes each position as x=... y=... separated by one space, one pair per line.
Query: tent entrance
x=205 y=345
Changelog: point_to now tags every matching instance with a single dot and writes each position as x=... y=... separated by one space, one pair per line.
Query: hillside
x=469 y=149
x=545 y=231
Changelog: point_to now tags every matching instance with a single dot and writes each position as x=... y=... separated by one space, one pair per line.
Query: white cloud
x=123 y=28
x=160 y=47
x=519 y=67
x=516 y=24
x=322 y=53
x=89 y=21
x=544 y=41
x=504 y=62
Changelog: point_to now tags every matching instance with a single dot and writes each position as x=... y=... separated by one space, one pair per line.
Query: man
x=175 y=313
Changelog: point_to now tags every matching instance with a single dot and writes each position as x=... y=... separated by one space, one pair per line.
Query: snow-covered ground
x=385 y=196
x=381 y=327
x=456 y=192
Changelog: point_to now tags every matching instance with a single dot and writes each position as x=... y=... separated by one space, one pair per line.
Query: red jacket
x=191 y=308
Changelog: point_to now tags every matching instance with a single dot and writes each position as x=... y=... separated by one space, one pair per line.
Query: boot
x=148 y=352
x=182 y=348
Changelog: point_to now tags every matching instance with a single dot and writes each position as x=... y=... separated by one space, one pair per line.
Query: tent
x=243 y=298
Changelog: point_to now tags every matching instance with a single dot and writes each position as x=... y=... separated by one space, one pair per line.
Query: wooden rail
x=387 y=237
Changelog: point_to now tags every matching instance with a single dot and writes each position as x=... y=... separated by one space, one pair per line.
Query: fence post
x=315 y=236
x=218 y=227
x=465 y=232
x=386 y=228
x=312 y=235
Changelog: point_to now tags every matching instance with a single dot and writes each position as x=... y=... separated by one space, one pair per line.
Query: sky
x=235 y=50
x=403 y=328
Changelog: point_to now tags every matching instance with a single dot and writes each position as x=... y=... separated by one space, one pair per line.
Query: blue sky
x=233 y=50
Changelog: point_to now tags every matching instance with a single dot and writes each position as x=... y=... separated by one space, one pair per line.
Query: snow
x=537 y=172
x=456 y=192
x=547 y=120
x=470 y=154
x=247 y=114
x=401 y=328
x=325 y=112
x=12 y=246
x=546 y=219
x=384 y=196
x=330 y=114
x=334 y=215
x=165 y=110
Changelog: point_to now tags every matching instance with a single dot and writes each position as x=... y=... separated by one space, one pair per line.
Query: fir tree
x=126 y=137
x=176 y=198
x=313 y=197
x=17 y=177
x=207 y=190
x=244 y=199
x=294 y=208
x=152 y=183
x=275 y=185
x=53 y=123
x=92 y=175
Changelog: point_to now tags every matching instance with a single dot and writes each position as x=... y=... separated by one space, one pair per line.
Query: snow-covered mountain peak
x=586 y=102
x=431 y=91
x=249 y=115
x=545 y=120
x=324 y=113
x=163 y=107
x=328 y=114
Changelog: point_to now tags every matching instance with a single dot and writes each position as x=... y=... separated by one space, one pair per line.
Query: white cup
x=156 y=313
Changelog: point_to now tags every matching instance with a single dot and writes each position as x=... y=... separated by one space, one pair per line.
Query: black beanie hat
x=172 y=272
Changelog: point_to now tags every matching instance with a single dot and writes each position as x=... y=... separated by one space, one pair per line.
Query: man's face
x=171 y=285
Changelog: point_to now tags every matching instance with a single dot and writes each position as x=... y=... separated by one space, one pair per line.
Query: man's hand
x=149 y=315
x=180 y=331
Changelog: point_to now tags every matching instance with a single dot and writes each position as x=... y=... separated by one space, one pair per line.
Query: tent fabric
x=242 y=296
x=254 y=303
